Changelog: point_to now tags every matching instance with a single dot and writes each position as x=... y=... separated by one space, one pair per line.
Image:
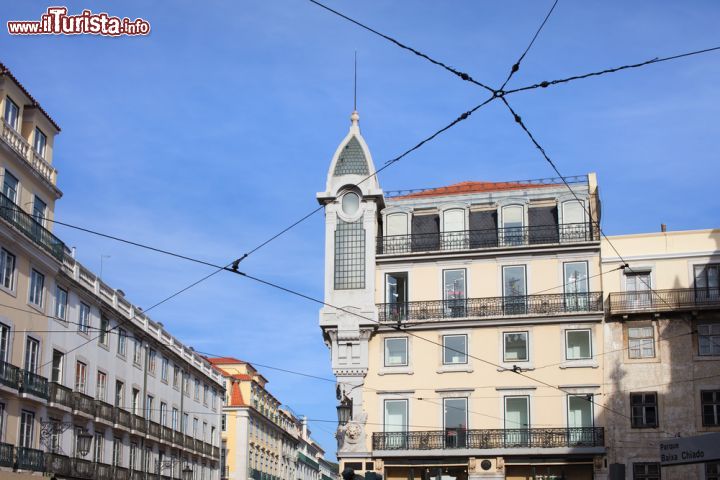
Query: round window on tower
x=350 y=203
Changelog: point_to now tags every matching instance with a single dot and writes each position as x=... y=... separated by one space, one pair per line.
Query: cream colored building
x=77 y=358
x=471 y=322
x=662 y=347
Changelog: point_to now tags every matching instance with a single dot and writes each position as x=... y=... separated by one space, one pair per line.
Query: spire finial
x=355 y=85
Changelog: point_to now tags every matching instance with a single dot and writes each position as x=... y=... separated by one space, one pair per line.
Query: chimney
x=663 y=228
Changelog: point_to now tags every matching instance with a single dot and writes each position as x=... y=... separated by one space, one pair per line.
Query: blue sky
x=215 y=131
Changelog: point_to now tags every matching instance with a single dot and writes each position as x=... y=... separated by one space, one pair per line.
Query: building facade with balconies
x=78 y=361
x=662 y=347
x=468 y=324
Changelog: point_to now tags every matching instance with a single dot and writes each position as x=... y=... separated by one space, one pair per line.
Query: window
x=103 y=337
x=223 y=422
x=573 y=228
x=37 y=281
x=195 y=427
x=27 y=428
x=712 y=471
x=176 y=376
x=709 y=339
x=396 y=288
x=135 y=406
x=32 y=351
x=175 y=414
x=99 y=447
x=10 y=186
x=454 y=292
x=454 y=349
x=395 y=421
x=214 y=399
x=517 y=420
x=186 y=384
x=515 y=347
x=396 y=350
x=122 y=342
x=707 y=282
x=396 y=224
x=58 y=361
x=4 y=342
x=164 y=369
x=576 y=286
x=149 y=407
x=641 y=342
x=580 y=418
x=163 y=413
x=578 y=344
x=185 y=423
x=644 y=410
x=350 y=203
x=514 y=290
x=101 y=386
x=152 y=360
x=646 y=471
x=513 y=220
x=84 y=318
x=7 y=269
x=80 y=376
x=454 y=236
x=197 y=389
x=61 y=296
x=637 y=288
x=349 y=255
x=455 y=420
x=117 y=452
x=137 y=352
x=119 y=394
x=710 y=400
x=206 y=391
x=12 y=113
x=39 y=210
x=40 y=142
x=132 y=460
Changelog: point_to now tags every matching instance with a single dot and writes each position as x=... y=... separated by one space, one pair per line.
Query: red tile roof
x=225 y=361
x=464 y=188
x=4 y=71
x=236 y=398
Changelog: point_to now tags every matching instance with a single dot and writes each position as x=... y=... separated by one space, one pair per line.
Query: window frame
x=444 y=347
x=39 y=134
x=713 y=337
x=60 y=369
x=35 y=290
x=589 y=340
x=385 y=355
x=646 y=475
x=122 y=342
x=84 y=318
x=714 y=403
x=527 y=345
x=8 y=275
x=104 y=335
x=644 y=404
x=80 y=376
x=9 y=104
x=61 y=304
x=642 y=342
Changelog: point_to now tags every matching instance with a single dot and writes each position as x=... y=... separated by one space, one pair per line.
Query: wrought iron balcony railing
x=24 y=222
x=104 y=411
x=677 y=299
x=34 y=384
x=488 y=238
x=9 y=375
x=83 y=403
x=491 y=307
x=83 y=468
x=491 y=438
x=178 y=438
x=30 y=459
x=7 y=455
x=153 y=428
x=137 y=423
x=122 y=417
x=103 y=471
x=167 y=434
x=58 y=464
x=60 y=395
x=121 y=473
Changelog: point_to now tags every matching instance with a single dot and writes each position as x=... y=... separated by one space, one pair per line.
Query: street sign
x=697 y=449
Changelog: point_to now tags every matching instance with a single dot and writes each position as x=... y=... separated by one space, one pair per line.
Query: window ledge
x=463 y=367
x=9 y=291
x=39 y=308
x=706 y=358
x=525 y=367
x=395 y=371
x=579 y=364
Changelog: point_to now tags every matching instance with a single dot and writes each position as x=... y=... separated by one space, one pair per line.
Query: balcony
x=673 y=300
x=215 y=452
x=104 y=411
x=30 y=459
x=58 y=464
x=83 y=403
x=9 y=375
x=137 y=424
x=21 y=146
x=510 y=237
x=189 y=443
x=137 y=475
x=121 y=473
x=83 y=468
x=491 y=307
x=24 y=222
x=34 y=384
x=167 y=434
x=60 y=395
x=7 y=455
x=178 y=438
x=153 y=429
x=122 y=418
x=103 y=471
x=453 y=439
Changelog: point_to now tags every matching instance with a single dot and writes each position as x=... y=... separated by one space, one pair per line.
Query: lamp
x=344 y=411
x=187 y=473
x=83 y=442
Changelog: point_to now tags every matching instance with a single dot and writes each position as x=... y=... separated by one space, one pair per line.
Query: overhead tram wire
x=462 y=75
x=516 y=65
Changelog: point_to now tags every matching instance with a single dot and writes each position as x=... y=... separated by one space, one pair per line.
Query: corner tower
x=352 y=200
